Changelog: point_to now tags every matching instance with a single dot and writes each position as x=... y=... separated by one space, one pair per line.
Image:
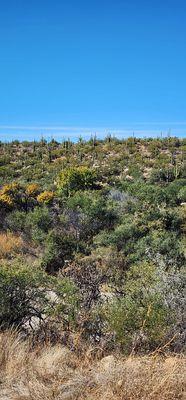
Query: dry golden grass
x=9 y=244
x=54 y=372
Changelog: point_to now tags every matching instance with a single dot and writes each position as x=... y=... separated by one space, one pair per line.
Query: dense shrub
x=75 y=178
x=27 y=292
x=141 y=317
x=16 y=220
x=38 y=223
x=59 y=248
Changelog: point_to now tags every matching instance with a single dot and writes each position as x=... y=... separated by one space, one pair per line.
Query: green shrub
x=140 y=318
x=59 y=247
x=16 y=221
x=182 y=194
x=38 y=223
x=25 y=292
x=89 y=212
x=75 y=178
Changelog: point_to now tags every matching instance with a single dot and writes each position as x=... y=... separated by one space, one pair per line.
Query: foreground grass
x=54 y=372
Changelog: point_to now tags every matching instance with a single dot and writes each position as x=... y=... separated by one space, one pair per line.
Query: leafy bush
x=89 y=212
x=32 y=189
x=162 y=175
x=182 y=194
x=141 y=316
x=75 y=178
x=16 y=220
x=38 y=222
x=27 y=292
x=45 y=197
x=59 y=247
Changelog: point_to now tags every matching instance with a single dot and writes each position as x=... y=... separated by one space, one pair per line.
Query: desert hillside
x=92 y=269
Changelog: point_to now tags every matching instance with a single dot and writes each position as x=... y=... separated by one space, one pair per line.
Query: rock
x=129 y=178
x=107 y=363
x=119 y=384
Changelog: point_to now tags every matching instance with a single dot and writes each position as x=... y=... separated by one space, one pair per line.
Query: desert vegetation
x=55 y=372
x=92 y=277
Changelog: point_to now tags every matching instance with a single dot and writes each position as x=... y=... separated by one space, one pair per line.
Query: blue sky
x=71 y=67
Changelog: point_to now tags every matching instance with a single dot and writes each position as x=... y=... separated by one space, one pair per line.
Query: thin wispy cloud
x=85 y=128
x=145 y=129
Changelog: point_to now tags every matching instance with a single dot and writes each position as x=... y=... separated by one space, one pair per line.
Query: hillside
x=92 y=256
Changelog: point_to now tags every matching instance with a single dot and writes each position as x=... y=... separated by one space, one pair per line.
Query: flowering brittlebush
x=45 y=197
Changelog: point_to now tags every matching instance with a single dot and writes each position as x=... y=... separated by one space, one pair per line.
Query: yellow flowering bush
x=8 y=193
x=6 y=199
x=10 y=188
x=32 y=189
x=76 y=178
x=45 y=197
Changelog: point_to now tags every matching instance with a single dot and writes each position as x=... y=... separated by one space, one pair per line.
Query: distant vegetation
x=92 y=242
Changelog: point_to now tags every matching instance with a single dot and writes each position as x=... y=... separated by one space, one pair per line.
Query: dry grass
x=57 y=373
x=9 y=244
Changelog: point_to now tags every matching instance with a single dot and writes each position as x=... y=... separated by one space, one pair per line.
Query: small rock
x=119 y=384
x=107 y=362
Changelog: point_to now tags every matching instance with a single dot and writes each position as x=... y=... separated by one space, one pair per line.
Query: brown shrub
x=9 y=244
